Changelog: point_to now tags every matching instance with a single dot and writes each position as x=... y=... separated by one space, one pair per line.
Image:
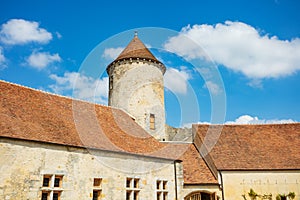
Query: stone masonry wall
x=23 y=165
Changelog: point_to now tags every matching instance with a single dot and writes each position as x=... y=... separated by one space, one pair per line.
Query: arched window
x=201 y=196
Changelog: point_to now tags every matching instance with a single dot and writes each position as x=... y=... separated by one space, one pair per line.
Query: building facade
x=57 y=148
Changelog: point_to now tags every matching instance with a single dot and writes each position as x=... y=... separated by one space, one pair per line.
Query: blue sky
x=252 y=49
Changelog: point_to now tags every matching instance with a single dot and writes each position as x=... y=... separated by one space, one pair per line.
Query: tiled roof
x=194 y=168
x=34 y=115
x=253 y=147
x=136 y=49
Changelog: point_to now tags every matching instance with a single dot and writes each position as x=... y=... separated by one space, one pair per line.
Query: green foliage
x=252 y=194
x=291 y=195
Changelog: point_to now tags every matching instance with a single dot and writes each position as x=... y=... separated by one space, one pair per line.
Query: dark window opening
x=45 y=195
x=57 y=182
x=152 y=121
x=46 y=181
x=135 y=195
x=56 y=196
x=97 y=182
x=128 y=182
x=136 y=183
x=96 y=194
x=128 y=194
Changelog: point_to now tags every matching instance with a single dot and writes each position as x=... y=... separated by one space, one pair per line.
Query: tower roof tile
x=136 y=49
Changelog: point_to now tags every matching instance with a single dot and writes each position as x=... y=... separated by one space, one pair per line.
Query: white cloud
x=212 y=87
x=20 y=31
x=239 y=47
x=2 y=58
x=112 y=53
x=81 y=86
x=41 y=60
x=176 y=80
x=247 y=119
x=58 y=35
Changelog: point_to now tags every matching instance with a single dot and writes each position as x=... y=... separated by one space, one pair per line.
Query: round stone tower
x=136 y=86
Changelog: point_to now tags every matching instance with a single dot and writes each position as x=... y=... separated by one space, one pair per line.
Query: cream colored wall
x=137 y=88
x=23 y=164
x=262 y=182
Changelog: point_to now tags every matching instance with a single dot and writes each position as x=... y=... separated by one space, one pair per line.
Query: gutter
x=175 y=177
x=222 y=185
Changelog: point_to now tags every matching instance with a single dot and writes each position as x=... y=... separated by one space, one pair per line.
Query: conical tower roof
x=136 y=49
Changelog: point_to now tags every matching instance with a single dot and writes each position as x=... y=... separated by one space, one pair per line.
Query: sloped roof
x=34 y=115
x=253 y=147
x=136 y=49
x=194 y=168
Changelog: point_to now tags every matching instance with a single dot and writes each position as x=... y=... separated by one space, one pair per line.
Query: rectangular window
x=136 y=183
x=132 y=188
x=57 y=181
x=96 y=194
x=128 y=195
x=49 y=183
x=97 y=182
x=158 y=185
x=161 y=190
x=46 y=181
x=111 y=81
x=45 y=195
x=165 y=196
x=165 y=185
x=135 y=195
x=56 y=196
x=97 y=188
x=158 y=196
x=128 y=182
x=152 y=121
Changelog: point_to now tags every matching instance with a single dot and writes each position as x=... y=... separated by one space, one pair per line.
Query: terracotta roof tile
x=253 y=147
x=194 y=168
x=33 y=115
x=136 y=49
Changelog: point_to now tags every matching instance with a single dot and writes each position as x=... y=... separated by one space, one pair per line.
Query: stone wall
x=24 y=163
x=179 y=134
x=238 y=183
x=137 y=88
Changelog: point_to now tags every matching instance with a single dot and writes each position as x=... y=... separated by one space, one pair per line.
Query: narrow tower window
x=152 y=121
x=111 y=81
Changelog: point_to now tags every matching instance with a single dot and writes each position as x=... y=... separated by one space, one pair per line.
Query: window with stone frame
x=152 y=121
x=132 y=188
x=97 y=188
x=161 y=190
x=51 y=187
